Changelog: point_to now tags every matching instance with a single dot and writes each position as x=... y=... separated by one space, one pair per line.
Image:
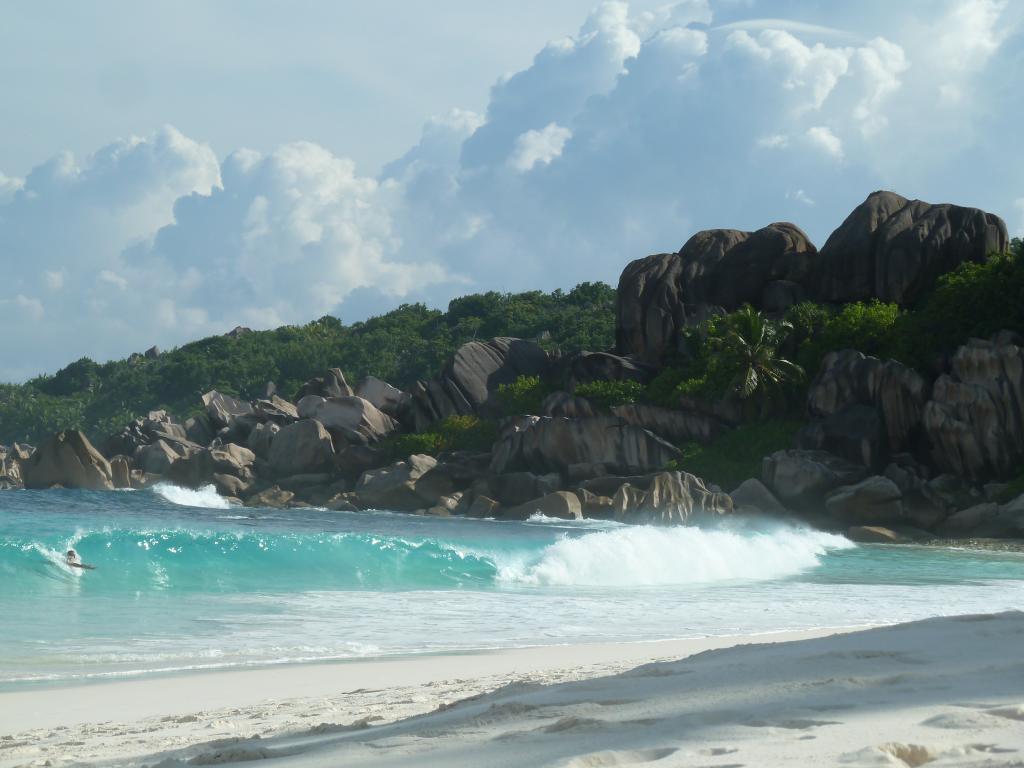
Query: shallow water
x=184 y=581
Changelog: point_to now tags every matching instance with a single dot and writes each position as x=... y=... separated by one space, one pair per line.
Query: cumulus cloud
x=822 y=138
x=541 y=146
x=617 y=141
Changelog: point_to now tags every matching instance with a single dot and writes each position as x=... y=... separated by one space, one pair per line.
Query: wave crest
x=648 y=556
x=205 y=497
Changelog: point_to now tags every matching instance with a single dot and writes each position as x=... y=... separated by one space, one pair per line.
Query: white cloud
x=54 y=280
x=800 y=196
x=8 y=186
x=112 y=278
x=822 y=138
x=618 y=141
x=543 y=146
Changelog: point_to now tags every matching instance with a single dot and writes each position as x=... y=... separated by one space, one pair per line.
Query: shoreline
x=46 y=704
x=946 y=689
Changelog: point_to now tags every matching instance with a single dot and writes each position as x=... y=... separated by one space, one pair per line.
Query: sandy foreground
x=942 y=692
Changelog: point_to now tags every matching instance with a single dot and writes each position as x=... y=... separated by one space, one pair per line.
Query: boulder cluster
x=887 y=454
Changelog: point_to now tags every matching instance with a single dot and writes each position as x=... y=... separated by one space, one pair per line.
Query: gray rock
x=274 y=497
x=469 y=382
x=660 y=295
x=801 y=479
x=383 y=396
x=69 y=460
x=562 y=403
x=347 y=415
x=331 y=384
x=198 y=467
x=515 y=488
x=224 y=409
x=552 y=445
x=483 y=506
x=261 y=438
x=855 y=433
x=752 y=495
x=898 y=395
x=302 y=447
x=276 y=410
x=874 y=501
x=121 y=472
x=668 y=498
x=157 y=458
x=405 y=486
x=594 y=506
x=893 y=249
x=561 y=504
x=975 y=419
x=675 y=426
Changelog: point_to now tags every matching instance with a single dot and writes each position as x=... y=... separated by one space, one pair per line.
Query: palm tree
x=749 y=350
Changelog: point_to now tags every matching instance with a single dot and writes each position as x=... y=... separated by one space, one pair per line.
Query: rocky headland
x=886 y=453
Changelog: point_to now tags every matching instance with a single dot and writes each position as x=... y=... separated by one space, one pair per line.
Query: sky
x=173 y=170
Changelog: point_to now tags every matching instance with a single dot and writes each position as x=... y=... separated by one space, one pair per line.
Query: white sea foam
x=649 y=556
x=206 y=496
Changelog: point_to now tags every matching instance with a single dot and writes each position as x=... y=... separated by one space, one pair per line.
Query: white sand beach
x=942 y=692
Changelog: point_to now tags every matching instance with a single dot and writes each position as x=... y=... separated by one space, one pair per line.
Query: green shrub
x=736 y=455
x=466 y=433
x=607 y=394
x=662 y=388
x=973 y=301
x=868 y=327
x=523 y=396
x=455 y=433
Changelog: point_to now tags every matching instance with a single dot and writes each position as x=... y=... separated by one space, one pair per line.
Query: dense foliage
x=607 y=394
x=409 y=343
x=736 y=455
x=524 y=395
x=455 y=433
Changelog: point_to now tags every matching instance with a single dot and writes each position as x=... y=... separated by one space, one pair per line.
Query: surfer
x=72 y=560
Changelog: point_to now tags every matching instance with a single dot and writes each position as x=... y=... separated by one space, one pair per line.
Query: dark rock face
x=675 y=426
x=67 y=459
x=547 y=445
x=405 y=486
x=874 y=501
x=660 y=295
x=469 y=381
x=199 y=467
x=801 y=479
x=586 y=367
x=561 y=504
x=517 y=488
x=302 y=447
x=975 y=420
x=893 y=249
x=849 y=379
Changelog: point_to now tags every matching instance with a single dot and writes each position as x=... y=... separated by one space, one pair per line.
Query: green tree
x=749 y=353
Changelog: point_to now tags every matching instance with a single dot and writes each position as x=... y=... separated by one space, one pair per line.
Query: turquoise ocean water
x=184 y=582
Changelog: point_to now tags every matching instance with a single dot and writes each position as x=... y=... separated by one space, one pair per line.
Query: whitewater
x=184 y=581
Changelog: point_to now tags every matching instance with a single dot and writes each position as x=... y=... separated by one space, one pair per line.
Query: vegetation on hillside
x=404 y=345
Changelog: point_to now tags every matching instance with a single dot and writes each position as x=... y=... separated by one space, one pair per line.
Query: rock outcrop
x=874 y=501
x=801 y=479
x=660 y=295
x=69 y=460
x=355 y=419
x=544 y=445
x=405 y=486
x=224 y=409
x=302 y=447
x=561 y=504
x=975 y=419
x=667 y=498
x=470 y=380
x=331 y=384
x=199 y=467
x=893 y=249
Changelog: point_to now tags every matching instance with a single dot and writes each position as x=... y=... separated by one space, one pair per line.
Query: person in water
x=73 y=561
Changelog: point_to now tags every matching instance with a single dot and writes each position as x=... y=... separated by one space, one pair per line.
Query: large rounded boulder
x=69 y=460
x=660 y=295
x=893 y=249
